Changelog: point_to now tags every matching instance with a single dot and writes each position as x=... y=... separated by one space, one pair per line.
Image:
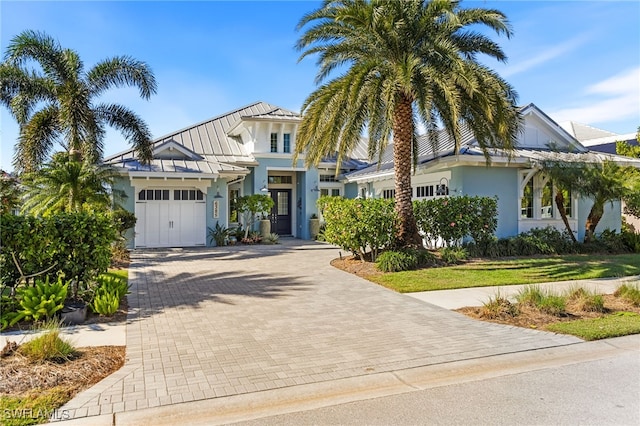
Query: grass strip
x=511 y=272
x=615 y=325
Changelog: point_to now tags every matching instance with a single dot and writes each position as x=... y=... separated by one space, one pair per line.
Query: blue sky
x=576 y=60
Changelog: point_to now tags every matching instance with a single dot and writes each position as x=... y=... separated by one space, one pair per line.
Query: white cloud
x=624 y=82
x=548 y=54
x=616 y=98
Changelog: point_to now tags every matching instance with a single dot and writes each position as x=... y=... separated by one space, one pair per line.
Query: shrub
x=48 y=346
x=117 y=285
x=359 y=225
x=252 y=237
x=546 y=302
x=271 y=239
x=395 y=261
x=453 y=218
x=631 y=240
x=219 y=234
x=453 y=255
x=105 y=303
x=585 y=300
x=629 y=292
x=41 y=301
x=610 y=242
x=75 y=245
x=9 y=307
x=499 y=307
x=404 y=259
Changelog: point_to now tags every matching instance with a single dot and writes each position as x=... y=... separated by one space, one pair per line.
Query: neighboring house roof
x=600 y=140
x=584 y=132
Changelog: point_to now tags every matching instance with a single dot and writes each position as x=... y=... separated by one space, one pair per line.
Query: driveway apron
x=209 y=323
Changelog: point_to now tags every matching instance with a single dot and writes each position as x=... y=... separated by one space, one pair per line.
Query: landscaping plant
x=48 y=346
x=41 y=301
x=359 y=226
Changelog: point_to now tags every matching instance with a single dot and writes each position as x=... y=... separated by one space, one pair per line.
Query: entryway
x=281 y=212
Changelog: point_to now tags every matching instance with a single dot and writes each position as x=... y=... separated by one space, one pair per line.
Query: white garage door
x=170 y=218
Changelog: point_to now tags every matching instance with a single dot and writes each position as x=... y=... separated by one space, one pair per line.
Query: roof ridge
x=192 y=126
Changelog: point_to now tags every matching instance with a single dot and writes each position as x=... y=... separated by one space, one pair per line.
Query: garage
x=170 y=218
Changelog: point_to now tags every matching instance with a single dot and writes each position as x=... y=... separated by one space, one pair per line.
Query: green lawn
x=511 y=272
x=619 y=324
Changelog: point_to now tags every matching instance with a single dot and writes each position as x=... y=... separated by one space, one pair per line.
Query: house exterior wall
x=492 y=182
x=611 y=219
x=128 y=203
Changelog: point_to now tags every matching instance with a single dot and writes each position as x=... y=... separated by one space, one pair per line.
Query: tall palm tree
x=56 y=101
x=67 y=185
x=403 y=63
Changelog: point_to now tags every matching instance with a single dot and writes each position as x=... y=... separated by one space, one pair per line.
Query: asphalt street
x=599 y=392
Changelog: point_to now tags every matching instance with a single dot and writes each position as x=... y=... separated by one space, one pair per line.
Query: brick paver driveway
x=216 y=322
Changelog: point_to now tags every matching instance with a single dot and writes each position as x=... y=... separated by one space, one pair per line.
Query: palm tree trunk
x=595 y=214
x=563 y=214
x=403 y=166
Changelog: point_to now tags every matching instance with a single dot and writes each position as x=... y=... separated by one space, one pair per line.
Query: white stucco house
x=198 y=172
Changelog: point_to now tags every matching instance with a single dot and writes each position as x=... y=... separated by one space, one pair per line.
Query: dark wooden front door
x=281 y=212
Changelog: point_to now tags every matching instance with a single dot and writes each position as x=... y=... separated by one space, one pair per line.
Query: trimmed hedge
x=76 y=246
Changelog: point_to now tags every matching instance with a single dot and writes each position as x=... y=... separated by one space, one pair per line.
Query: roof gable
x=172 y=150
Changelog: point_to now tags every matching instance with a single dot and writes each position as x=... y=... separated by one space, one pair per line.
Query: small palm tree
x=55 y=102
x=403 y=63
x=67 y=185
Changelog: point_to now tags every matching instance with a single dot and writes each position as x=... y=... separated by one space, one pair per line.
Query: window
x=334 y=192
x=280 y=179
x=187 y=195
x=424 y=191
x=274 y=142
x=526 y=204
x=546 y=207
x=282 y=203
x=566 y=194
x=388 y=193
x=234 y=214
x=328 y=178
x=153 y=195
x=286 y=140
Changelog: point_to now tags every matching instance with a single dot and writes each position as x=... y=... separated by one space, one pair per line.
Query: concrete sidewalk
x=476 y=296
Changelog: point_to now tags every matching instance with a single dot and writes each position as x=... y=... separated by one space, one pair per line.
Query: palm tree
x=67 y=185
x=55 y=102
x=601 y=182
x=404 y=63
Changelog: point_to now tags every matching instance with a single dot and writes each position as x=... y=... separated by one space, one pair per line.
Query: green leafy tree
x=54 y=99
x=403 y=63
x=9 y=193
x=632 y=199
x=253 y=206
x=67 y=185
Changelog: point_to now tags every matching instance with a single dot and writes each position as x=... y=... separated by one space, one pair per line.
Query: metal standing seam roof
x=445 y=147
x=208 y=139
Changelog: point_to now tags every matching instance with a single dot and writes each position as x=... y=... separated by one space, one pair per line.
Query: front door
x=281 y=212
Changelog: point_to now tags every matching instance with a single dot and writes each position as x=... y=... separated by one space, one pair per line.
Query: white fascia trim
x=370 y=177
x=287 y=169
x=168 y=176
